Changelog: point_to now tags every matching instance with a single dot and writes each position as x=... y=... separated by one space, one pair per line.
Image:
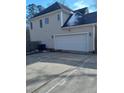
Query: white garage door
x=76 y=42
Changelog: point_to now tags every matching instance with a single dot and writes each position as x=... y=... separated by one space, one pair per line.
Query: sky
x=73 y=4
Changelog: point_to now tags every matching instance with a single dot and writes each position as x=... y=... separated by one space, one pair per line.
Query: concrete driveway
x=56 y=72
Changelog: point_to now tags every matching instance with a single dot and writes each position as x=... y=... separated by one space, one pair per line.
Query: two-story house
x=61 y=28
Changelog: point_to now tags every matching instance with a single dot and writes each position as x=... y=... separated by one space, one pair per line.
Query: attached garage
x=73 y=41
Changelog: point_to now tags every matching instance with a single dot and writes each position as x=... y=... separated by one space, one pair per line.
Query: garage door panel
x=77 y=42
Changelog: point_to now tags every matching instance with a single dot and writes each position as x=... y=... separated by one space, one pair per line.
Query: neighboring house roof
x=53 y=7
x=79 y=19
x=82 y=10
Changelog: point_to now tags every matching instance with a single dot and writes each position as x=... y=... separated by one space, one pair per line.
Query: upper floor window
x=31 y=25
x=58 y=17
x=46 y=20
x=41 y=25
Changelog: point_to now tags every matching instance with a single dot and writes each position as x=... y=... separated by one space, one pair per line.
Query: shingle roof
x=53 y=7
x=79 y=19
x=82 y=10
x=90 y=18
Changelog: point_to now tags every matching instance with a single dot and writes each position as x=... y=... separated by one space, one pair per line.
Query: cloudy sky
x=73 y=4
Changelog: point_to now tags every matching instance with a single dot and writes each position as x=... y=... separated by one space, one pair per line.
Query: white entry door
x=76 y=42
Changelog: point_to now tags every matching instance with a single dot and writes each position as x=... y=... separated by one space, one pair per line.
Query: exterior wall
x=27 y=40
x=65 y=16
x=95 y=39
x=82 y=29
x=48 y=31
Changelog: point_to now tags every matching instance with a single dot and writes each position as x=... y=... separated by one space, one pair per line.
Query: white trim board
x=71 y=27
x=71 y=34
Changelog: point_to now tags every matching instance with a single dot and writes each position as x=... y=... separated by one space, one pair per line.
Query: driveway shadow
x=60 y=58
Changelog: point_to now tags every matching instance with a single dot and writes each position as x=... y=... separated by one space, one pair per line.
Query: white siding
x=54 y=27
x=45 y=34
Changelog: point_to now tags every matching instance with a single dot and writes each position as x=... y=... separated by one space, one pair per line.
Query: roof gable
x=53 y=7
x=82 y=10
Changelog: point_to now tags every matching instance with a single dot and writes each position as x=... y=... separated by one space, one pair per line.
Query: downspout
x=93 y=37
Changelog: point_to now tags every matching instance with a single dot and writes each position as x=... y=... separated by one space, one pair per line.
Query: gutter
x=71 y=27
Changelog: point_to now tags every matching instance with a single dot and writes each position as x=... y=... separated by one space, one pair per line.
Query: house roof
x=79 y=19
x=53 y=7
x=82 y=10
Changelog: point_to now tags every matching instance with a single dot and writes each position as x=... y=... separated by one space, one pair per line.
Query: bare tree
x=31 y=10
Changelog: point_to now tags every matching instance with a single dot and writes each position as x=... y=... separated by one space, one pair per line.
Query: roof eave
x=46 y=14
x=84 y=25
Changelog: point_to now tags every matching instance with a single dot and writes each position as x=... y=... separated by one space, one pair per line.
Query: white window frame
x=46 y=20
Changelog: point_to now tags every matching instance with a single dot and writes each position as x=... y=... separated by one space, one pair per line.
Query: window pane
x=31 y=25
x=40 y=23
x=46 y=21
x=58 y=17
